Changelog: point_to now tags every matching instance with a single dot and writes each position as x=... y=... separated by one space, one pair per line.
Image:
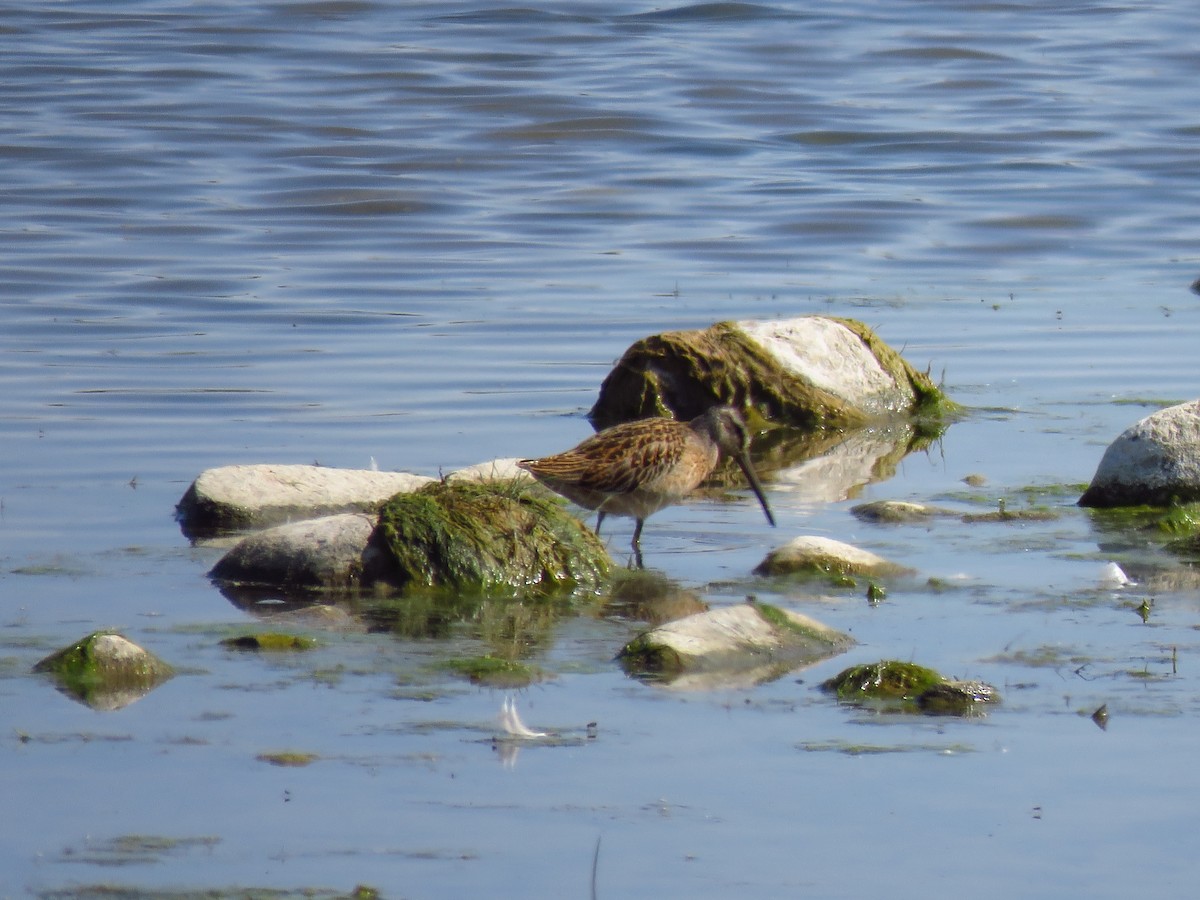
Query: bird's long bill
x=743 y=462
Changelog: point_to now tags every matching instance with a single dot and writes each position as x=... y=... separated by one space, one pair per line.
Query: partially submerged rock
x=894 y=512
x=105 y=670
x=1154 y=462
x=232 y=498
x=907 y=687
x=822 y=556
x=811 y=372
x=270 y=641
x=328 y=553
x=721 y=645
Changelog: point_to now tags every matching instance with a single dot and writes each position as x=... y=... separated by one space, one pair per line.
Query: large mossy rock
x=1155 y=462
x=489 y=537
x=813 y=372
x=233 y=498
x=105 y=670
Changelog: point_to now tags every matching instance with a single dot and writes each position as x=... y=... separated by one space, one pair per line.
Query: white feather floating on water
x=512 y=724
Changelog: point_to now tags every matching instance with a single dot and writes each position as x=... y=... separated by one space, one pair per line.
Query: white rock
x=725 y=643
x=816 y=554
x=249 y=496
x=327 y=552
x=1155 y=461
x=826 y=353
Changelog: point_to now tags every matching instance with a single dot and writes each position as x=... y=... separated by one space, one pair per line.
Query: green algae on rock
x=288 y=758
x=908 y=687
x=816 y=373
x=105 y=670
x=493 y=671
x=488 y=537
x=269 y=640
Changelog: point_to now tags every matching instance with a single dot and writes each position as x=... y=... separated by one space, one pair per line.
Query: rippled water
x=421 y=233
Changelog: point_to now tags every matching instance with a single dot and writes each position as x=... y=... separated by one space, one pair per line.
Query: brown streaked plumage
x=637 y=468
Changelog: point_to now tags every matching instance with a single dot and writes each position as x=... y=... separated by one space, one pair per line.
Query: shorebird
x=636 y=468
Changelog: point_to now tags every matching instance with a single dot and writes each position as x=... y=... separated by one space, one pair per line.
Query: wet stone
x=723 y=644
x=232 y=498
x=105 y=670
x=892 y=512
x=331 y=552
x=822 y=556
x=1155 y=462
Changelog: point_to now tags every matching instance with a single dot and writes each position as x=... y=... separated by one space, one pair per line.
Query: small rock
x=907 y=687
x=891 y=512
x=269 y=641
x=232 y=498
x=814 y=555
x=732 y=639
x=105 y=670
x=1154 y=462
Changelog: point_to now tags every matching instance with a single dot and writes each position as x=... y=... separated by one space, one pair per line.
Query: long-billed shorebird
x=636 y=468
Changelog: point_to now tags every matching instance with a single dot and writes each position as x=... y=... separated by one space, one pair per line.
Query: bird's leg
x=637 y=536
x=636 y=562
x=599 y=520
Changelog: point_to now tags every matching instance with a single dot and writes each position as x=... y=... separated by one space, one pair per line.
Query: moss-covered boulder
x=731 y=646
x=812 y=372
x=908 y=687
x=492 y=537
x=105 y=670
x=1155 y=462
x=813 y=555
